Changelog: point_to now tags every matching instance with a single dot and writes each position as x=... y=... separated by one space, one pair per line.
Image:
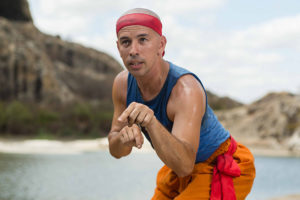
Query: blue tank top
x=212 y=133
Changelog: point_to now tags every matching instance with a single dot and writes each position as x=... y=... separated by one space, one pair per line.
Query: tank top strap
x=175 y=73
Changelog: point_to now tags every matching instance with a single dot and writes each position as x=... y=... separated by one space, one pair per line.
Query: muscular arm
x=121 y=137
x=186 y=107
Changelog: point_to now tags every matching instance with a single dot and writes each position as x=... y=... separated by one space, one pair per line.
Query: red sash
x=224 y=171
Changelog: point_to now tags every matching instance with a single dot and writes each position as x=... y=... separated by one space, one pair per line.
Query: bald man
x=168 y=104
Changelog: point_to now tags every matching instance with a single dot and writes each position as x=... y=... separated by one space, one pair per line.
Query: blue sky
x=241 y=49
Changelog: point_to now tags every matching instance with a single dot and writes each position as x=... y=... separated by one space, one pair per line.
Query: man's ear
x=163 y=42
x=118 y=44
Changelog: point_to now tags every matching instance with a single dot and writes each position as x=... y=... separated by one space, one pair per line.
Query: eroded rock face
x=275 y=117
x=39 y=67
x=16 y=10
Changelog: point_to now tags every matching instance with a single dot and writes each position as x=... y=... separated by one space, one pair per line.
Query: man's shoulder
x=121 y=80
x=188 y=81
x=187 y=87
x=122 y=76
x=186 y=95
x=120 y=86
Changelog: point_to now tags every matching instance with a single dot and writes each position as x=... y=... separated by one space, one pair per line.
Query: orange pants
x=197 y=185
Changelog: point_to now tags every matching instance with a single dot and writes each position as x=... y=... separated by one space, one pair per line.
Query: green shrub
x=82 y=111
x=78 y=120
x=18 y=113
x=44 y=134
x=3 y=117
x=19 y=118
x=46 y=117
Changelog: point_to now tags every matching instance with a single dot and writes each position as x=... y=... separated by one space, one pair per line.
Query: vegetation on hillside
x=76 y=120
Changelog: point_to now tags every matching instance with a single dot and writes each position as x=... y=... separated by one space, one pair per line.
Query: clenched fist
x=132 y=136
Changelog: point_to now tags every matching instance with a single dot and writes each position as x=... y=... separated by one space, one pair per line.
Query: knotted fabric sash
x=224 y=171
x=139 y=19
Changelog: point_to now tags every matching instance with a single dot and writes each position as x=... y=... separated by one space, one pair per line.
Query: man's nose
x=134 y=50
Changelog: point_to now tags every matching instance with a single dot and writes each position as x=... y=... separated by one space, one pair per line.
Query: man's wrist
x=152 y=123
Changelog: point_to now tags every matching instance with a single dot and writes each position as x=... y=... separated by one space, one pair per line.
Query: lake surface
x=97 y=175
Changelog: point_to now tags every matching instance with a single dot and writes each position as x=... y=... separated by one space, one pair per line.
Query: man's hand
x=132 y=136
x=137 y=113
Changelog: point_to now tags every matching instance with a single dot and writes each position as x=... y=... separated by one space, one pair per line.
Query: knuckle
x=146 y=121
x=131 y=114
x=138 y=120
x=151 y=112
x=134 y=126
x=137 y=130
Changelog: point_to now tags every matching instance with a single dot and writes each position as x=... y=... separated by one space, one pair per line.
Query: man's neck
x=151 y=84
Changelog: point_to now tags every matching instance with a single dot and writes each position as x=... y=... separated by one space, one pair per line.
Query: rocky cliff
x=220 y=103
x=273 y=122
x=15 y=10
x=39 y=67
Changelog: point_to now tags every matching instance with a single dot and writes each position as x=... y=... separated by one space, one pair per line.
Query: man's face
x=140 y=48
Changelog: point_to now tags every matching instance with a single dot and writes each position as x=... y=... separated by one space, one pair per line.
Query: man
x=169 y=106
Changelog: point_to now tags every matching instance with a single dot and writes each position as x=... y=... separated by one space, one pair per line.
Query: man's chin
x=137 y=73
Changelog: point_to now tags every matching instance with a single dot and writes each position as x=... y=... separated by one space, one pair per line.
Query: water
x=75 y=177
x=275 y=177
x=99 y=176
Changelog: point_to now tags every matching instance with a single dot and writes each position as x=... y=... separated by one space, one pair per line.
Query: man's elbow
x=186 y=170
x=187 y=165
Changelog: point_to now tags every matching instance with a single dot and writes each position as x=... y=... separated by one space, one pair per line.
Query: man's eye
x=143 y=39
x=125 y=42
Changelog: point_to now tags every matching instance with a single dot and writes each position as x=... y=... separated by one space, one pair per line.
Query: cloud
x=187 y=6
x=242 y=63
x=278 y=33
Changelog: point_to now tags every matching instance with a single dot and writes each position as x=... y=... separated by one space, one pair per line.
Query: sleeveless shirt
x=212 y=133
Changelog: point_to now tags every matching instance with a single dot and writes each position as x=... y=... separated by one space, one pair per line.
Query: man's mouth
x=135 y=65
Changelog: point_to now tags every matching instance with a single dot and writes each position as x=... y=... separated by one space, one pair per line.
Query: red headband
x=139 y=19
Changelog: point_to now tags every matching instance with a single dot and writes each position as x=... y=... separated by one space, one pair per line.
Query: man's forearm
x=176 y=154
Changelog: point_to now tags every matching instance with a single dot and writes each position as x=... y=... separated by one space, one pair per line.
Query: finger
x=133 y=115
x=124 y=136
x=140 y=118
x=124 y=116
x=147 y=119
x=142 y=140
x=130 y=134
x=138 y=136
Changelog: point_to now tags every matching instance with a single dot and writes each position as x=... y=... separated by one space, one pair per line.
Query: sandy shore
x=264 y=151
x=268 y=147
x=31 y=146
x=289 y=197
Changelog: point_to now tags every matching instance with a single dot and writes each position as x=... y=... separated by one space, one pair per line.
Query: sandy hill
x=273 y=122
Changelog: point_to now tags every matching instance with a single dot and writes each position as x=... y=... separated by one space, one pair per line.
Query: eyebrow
x=138 y=36
x=124 y=38
x=142 y=35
